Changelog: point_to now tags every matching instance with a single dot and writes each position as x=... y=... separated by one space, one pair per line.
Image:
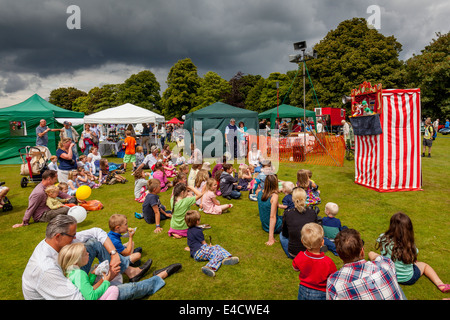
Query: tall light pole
x=297 y=58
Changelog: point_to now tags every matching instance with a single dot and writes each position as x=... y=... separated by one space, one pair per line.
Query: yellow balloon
x=83 y=192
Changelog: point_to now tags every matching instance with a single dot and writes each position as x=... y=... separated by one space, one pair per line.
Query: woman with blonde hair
x=293 y=221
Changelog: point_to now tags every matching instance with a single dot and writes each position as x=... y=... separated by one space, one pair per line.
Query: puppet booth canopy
x=387 y=142
x=216 y=116
x=18 y=126
x=286 y=111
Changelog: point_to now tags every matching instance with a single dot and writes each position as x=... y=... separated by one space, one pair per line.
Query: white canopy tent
x=124 y=114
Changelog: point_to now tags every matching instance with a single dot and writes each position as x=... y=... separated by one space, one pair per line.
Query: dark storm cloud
x=152 y=33
x=252 y=36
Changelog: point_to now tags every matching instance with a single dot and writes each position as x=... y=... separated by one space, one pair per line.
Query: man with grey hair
x=43 y=278
x=231 y=132
x=41 y=133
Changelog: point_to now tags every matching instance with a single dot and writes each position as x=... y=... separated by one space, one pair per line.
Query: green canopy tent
x=216 y=116
x=18 y=126
x=286 y=111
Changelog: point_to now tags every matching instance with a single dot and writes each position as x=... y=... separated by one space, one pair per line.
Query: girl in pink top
x=209 y=202
x=158 y=173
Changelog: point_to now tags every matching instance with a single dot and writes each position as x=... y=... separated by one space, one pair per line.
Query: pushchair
x=34 y=163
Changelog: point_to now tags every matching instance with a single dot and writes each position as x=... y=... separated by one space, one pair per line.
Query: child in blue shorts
x=201 y=251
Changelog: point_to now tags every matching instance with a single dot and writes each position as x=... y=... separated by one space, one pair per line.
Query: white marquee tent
x=124 y=114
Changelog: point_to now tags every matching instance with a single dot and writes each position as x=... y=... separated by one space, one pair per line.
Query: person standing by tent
x=41 y=133
x=427 y=138
x=345 y=130
x=69 y=132
x=231 y=138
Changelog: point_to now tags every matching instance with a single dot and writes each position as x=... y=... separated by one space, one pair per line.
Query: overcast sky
x=39 y=53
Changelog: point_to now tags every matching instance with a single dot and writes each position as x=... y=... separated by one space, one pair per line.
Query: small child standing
x=181 y=203
x=152 y=209
x=209 y=202
x=53 y=165
x=287 y=188
x=74 y=256
x=53 y=202
x=130 y=150
x=118 y=224
x=201 y=251
x=314 y=266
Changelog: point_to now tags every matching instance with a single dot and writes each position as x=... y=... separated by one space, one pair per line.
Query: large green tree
x=97 y=99
x=212 y=89
x=141 y=89
x=265 y=95
x=64 y=97
x=430 y=71
x=348 y=56
x=241 y=84
x=182 y=84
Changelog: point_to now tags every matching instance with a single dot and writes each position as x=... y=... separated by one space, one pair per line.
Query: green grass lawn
x=263 y=272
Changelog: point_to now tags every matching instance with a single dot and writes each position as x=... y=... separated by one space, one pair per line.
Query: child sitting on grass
x=74 y=256
x=228 y=183
x=311 y=189
x=83 y=179
x=140 y=184
x=53 y=202
x=200 y=182
x=245 y=177
x=152 y=209
x=181 y=202
x=209 y=202
x=287 y=188
x=201 y=251
x=109 y=177
x=398 y=244
x=118 y=224
x=331 y=225
x=160 y=174
x=314 y=266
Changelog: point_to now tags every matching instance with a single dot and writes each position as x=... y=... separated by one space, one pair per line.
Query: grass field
x=264 y=273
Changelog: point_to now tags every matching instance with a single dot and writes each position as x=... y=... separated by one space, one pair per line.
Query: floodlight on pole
x=301 y=58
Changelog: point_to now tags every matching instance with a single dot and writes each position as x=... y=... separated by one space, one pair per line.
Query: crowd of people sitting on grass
x=66 y=256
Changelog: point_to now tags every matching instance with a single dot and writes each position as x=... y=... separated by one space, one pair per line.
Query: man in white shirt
x=43 y=278
x=149 y=159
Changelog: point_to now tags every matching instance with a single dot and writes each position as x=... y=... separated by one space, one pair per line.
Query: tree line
x=347 y=56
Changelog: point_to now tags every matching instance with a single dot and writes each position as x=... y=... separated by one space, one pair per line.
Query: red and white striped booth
x=391 y=160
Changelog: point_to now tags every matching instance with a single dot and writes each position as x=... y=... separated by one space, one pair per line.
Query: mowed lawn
x=264 y=273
